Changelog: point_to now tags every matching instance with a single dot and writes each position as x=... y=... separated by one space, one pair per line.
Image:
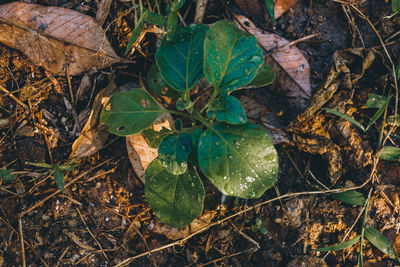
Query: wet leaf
x=140 y=153
x=176 y=199
x=227 y=109
x=183 y=104
x=174 y=151
x=180 y=60
x=7 y=175
x=232 y=57
x=265 y=75
x=59 y=178
x=290 y=66
x=239 y=160
x=351 y=197
x=53 y=37
x=157 y=85
x=340 y=246
x=380 y=242
x=390 y=153
x=130 y=112
x=379 y=112
x=154 y=138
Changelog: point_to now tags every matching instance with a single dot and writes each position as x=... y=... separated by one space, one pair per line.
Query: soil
x=103 y=217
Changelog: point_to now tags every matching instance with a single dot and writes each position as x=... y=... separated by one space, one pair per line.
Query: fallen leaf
x=282 y=6
x=78 y=242
x=94 y=134
x=139 y=151
x=53 y=37
x=291 y=67
x=174 y=233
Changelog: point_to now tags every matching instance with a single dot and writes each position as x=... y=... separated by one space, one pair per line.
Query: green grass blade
x=341 y=115
x=339 y=246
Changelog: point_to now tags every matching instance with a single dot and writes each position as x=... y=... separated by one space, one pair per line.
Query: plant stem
x=213 y=96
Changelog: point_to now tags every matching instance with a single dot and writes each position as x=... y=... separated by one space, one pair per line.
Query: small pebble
x=63 y=120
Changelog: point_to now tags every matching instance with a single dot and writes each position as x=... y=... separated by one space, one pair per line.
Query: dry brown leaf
x=94 y=134
x=173 y=233
x=281 y=6
x=252 y=7
x=291 y=67
x=139 y=152
x=54 y=36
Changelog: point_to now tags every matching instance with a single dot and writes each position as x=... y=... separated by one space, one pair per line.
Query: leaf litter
x=324 y=223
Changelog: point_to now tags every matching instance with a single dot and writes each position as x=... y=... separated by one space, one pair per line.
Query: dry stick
x=26 y=242
x=62 y=256
x=67 y=185
x=90 y=232
x=21 y=233
x=288 y=195
x=8 y=93
x=200 y=10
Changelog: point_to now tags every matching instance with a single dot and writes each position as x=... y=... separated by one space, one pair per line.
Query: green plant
x=216 y=140
x=259 y=226
x=372 y=235
x=57 y=171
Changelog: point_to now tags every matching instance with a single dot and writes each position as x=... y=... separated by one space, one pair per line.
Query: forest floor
x=103 y=218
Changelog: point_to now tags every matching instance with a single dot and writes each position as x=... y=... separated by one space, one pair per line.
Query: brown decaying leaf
x=139 y=152
x=94 y=134
x=54 y=36
x=173 y=233
x=291 y=67
x=281 y=6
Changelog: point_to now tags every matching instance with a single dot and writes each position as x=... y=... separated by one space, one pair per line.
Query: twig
x=226 y=257
x=26 y=242
x=8 y=93
x=62 y=256
x=200 y=10
x=66 y=185
x=21 y=233
x=90 y=232
x=288 y=195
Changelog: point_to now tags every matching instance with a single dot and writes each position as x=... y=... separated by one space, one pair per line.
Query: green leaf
x=41 y=165
x=378 y=113
x=239 y=160
x=7 y=175
x=265 y=75
x=340 y=246
x=176 y=199
x=59 y=178
x=232 y=56
x=183 y=104
x=390 y=153
x=130 y=112
x=396 y=5
x=180 y=60
x=227 y=109
x=341 y=115
x=270 y=7
x=380 y=241
x=195 y=134
x=376 y=101
x=154 y=138
x=174 y=151
x=351 y=197
x=157 y=85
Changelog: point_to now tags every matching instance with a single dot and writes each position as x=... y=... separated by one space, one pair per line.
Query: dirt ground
x=103 y=217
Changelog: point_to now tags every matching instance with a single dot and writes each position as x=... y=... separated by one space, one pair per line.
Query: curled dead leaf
x=173 y=233
x=291 y=67
x=55 y=37
x=282 y=6
x=139 y=151
x=94 y=134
